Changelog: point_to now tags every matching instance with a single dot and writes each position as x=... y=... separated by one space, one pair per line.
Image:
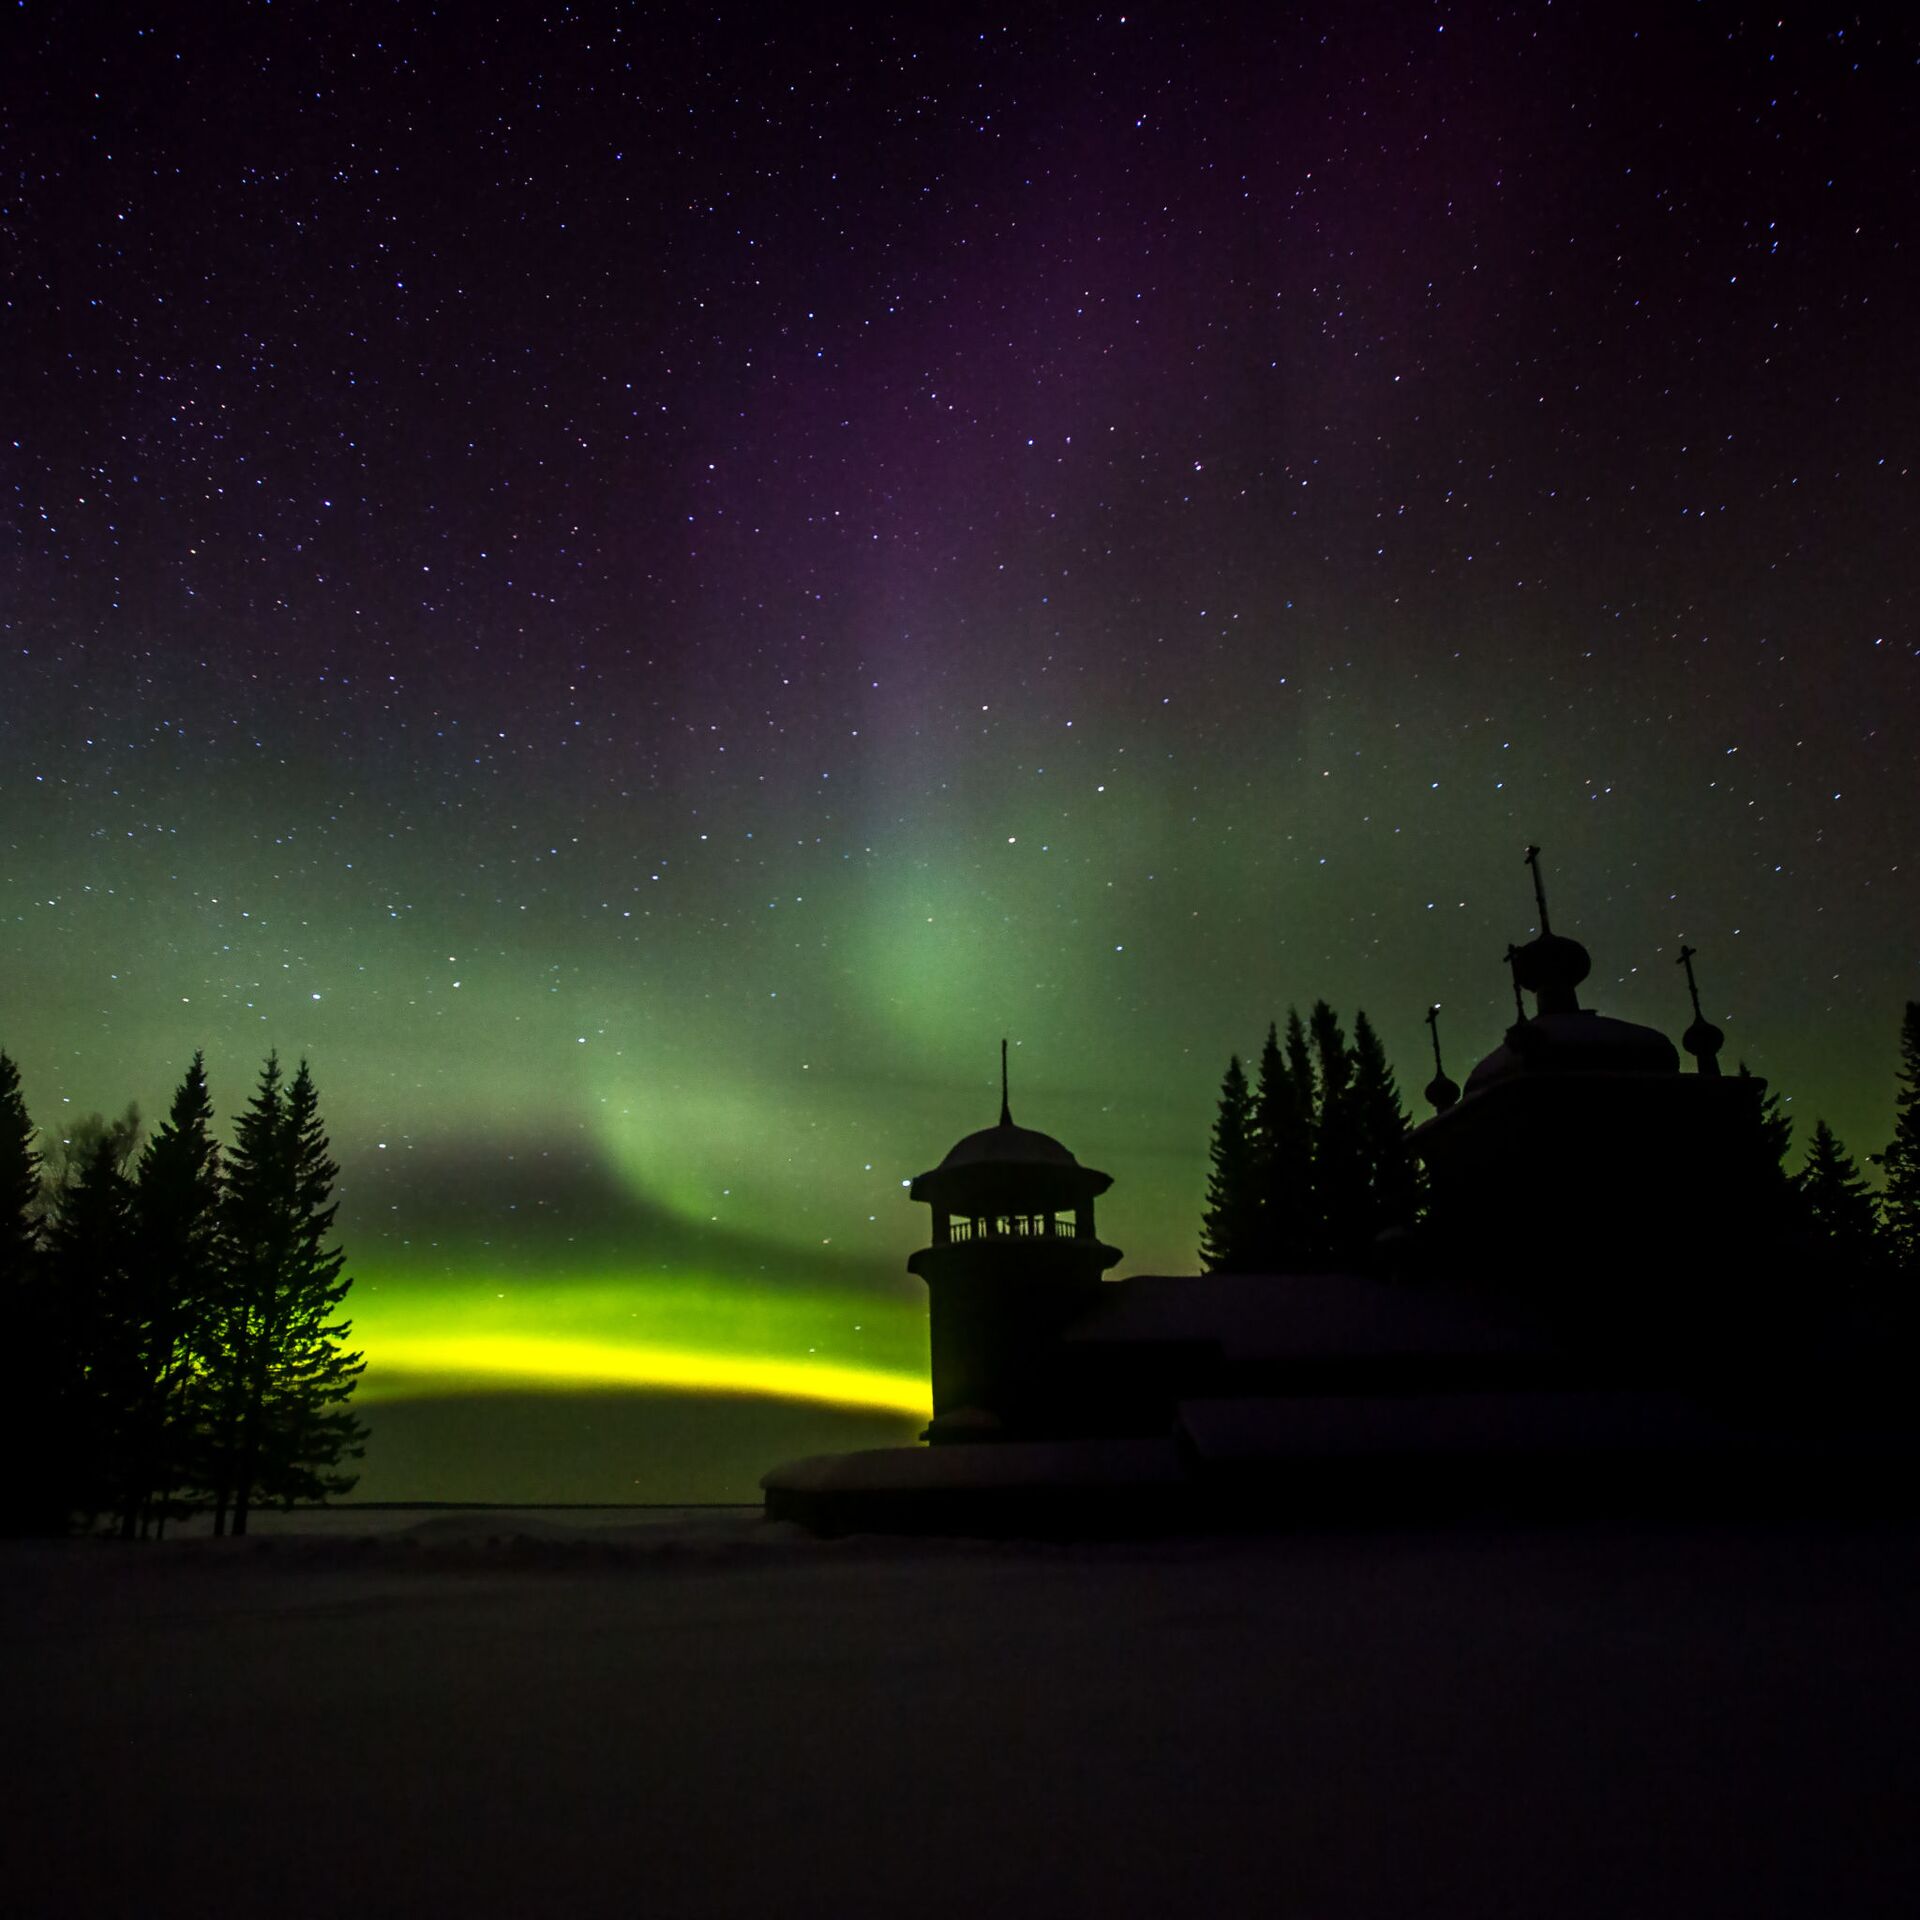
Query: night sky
x=642 y=587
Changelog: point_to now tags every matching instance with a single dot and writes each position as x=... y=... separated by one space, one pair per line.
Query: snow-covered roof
x=1428 y=1425
x=1580 y=1042
x=1260 y=1316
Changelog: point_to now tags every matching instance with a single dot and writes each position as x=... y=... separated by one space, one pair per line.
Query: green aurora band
x=641 y=595
x=665 y=1154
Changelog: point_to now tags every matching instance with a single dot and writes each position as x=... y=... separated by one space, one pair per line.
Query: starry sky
x=643 y=586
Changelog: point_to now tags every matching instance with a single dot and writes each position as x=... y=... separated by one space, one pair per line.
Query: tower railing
x=1013 y=1226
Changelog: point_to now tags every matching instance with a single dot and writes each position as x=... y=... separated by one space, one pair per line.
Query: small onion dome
x=1704 y=1040
x=1441 y=1092
x=1550 y=968
x=1575 y=1043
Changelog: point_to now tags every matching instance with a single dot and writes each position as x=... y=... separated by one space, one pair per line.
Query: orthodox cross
x=1686 y=960
x=1539 y=887
x=1513 y=967
x=1440 y=1090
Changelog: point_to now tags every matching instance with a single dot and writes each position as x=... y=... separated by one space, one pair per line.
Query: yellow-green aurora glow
x=613 y=1331
x=642 y=605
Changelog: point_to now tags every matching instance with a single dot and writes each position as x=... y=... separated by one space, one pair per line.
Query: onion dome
x=1441 y=1092
x=1549 y=966
x=1563 y=1037
x=1703 y=1039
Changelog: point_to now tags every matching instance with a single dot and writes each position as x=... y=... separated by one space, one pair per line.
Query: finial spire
x=1513 y=967
x=1441 y=1092
x=1686 y=960
x=1703 y=1039
x=1549 y=966
x=1539 y=888
x=1006 y=1112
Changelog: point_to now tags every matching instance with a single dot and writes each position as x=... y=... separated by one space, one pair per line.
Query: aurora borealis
x=641 y=588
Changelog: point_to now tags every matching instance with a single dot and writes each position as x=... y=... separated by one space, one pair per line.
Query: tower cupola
x=1014 y=1257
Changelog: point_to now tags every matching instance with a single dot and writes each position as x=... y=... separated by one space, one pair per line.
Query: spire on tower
x=1539 y=888
x=1441 y=1092
x=1513 y=967
x=1703 y=1039
x=1006 y=1113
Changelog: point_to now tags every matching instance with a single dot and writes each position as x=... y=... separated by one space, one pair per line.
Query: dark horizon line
x=497 y=1506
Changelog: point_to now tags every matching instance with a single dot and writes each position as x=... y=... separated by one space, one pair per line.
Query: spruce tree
x=1300 y=1062
x=316 y=1430
x=34 y=1505
x=177 y=1203
x=1229 y=1232
x=1339 y=1153
x=1306 y=1094
x=19 y=1192
x=1837 y=1206
x=97 y=1332
x=1764 y=1204
x=1392 y=1175
x=232 y=1336
x=1283 y=1163
x=83 y=1139
x=1900 y=1201
x=281 y=1372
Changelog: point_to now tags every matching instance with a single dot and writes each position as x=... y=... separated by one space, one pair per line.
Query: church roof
x=1300 y=1316
x=1576 y=1042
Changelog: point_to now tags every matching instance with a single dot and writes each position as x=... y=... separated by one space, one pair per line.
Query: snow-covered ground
x=672 y=1715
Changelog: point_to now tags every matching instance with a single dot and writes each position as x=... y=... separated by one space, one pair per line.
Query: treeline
x=182 y=1310
x=1309 y=1162
x=1830 y=1205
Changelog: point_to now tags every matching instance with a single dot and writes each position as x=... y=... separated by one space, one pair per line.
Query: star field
x=642 y=588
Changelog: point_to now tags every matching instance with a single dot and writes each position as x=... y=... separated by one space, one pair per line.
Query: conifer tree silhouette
x=235 y=1336
x=1776 y=1126
x=1300 y=1063
x=1314 y=1163
x=19 y=1190
x=177 y=1206
x=280 y=1374
x=25 y=1301
x=1282 y=1159
x=1229 y=1230
x=1306 y=1093
x=1900 y=1202
x=1837 y=1205
x=314 y=1430
x=1339 y=1151
x=1764 y=1203
x=96 y=1329
x=1393 y=1176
